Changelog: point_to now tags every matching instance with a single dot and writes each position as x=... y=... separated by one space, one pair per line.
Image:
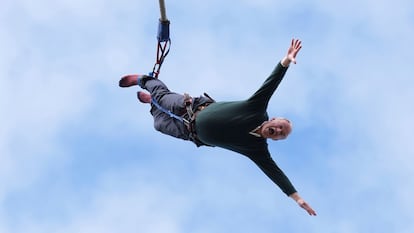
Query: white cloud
x=142 y=208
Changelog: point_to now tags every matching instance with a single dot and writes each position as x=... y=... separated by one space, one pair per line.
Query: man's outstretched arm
x=302 y=203
x=263 y=95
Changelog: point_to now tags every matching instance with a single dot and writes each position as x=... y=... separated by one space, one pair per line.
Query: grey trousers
x=169 y=100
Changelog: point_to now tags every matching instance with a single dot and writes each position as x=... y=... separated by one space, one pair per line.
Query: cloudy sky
x=79 y=154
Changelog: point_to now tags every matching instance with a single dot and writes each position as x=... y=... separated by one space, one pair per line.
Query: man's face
x=276 y=129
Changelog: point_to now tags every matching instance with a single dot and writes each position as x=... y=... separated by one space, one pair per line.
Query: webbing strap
x=162 y=52
x=168 y=112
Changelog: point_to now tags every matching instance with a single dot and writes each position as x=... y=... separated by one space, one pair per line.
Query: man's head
x=276 y=128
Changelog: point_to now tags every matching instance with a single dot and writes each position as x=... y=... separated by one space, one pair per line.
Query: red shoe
x=144 y=97
x=129 y=80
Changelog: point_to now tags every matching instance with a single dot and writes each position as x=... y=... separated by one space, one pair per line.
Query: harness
x=188 y=119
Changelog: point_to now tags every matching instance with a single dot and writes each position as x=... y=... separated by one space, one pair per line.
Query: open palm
x=293 y=50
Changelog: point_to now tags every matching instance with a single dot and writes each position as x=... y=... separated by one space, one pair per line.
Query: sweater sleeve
x=265 y=162
x=265 y=92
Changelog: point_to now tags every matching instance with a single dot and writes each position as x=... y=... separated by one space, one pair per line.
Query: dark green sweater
x=227 y=125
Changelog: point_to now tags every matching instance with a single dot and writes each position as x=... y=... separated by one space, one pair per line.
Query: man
x=239 y=126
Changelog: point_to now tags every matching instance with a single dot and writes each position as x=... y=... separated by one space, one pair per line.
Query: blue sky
x=79 y=154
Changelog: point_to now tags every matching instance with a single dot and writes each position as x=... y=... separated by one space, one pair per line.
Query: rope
x=162 y=11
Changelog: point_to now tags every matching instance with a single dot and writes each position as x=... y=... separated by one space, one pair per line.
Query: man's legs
x=158 y=90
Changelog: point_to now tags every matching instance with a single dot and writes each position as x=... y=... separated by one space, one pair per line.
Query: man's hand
x=303 y=204
x=306 y=206
x=293 y=50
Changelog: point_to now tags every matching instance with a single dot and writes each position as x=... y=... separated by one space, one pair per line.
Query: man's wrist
x=285 y=62
x=295 y=196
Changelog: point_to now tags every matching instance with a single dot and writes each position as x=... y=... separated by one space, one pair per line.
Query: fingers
x=296 y=44
x=308 y=209
x=304 y=205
